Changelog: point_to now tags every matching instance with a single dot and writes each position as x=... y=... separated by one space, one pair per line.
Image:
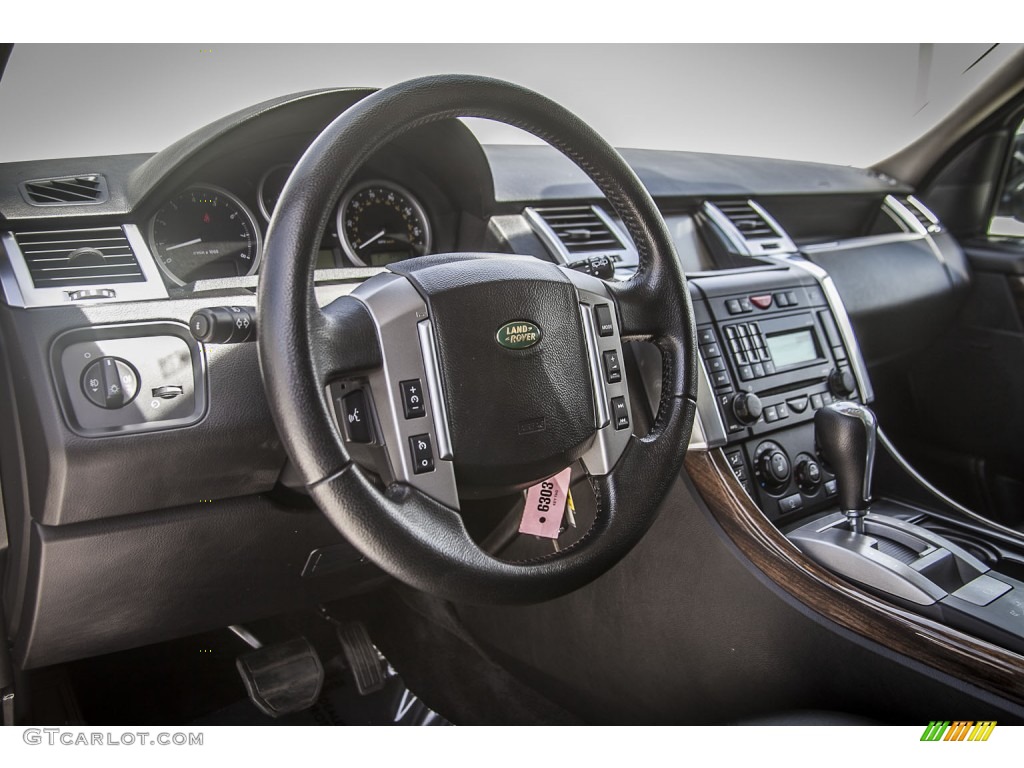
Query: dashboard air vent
x=580 y=229
x=750 y=223
x=920 y=211
x=747 y=228
x=79 y=257
x=87 y=189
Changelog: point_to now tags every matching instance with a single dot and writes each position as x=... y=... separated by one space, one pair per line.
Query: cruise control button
x=603 y=316
x=412 y=398
x=422 y=454
x=612 y=371
x=354 y=414
x=620 y=416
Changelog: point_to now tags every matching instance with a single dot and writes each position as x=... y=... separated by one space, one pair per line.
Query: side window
x=1008 y=220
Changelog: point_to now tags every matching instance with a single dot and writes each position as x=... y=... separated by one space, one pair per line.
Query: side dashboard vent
x=748 y=227
x=577 y=232
x=87 y=189
x=79 y=257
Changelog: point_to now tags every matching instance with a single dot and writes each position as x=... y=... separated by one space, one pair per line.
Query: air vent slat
x=86 y=189
x=748 y=221
x=922 y=214
x=580 y=229
x=79 y=257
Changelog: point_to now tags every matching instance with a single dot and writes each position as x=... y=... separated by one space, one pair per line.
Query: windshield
x=844 y=104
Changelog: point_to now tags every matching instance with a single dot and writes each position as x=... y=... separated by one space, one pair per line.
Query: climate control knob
x=808 y=474
x=772 y=467
x=747 y=408
x=841 y=382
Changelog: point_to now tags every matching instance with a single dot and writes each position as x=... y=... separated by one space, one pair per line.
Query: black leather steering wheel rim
x=414 y=538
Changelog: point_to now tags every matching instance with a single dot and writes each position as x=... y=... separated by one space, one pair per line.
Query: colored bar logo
x=958 y=730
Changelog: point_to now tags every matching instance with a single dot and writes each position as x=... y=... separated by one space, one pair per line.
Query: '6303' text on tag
x=545 y=506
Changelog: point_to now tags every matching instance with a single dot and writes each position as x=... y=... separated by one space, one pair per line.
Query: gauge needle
x=365 y=243
x=182 y=245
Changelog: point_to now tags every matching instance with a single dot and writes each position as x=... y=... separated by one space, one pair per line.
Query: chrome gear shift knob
x=846 y=434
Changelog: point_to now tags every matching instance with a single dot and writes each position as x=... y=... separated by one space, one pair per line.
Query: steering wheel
x=507 y=352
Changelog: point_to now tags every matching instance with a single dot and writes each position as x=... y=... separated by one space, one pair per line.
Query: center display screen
x=792 y=348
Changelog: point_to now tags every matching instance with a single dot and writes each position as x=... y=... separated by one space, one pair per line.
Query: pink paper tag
x=545 y=506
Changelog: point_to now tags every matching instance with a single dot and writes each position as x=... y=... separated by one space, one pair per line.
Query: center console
x=773 y=354
x=783 y=392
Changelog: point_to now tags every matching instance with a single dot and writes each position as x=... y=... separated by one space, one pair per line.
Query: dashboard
x=144 y=466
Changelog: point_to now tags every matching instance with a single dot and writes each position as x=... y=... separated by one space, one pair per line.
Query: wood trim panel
x=963 y=656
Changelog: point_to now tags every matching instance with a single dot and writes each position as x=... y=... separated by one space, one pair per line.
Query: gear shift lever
x=845 y=433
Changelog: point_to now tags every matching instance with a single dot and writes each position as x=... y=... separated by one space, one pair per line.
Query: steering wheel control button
x=619 y=413
x=355 y=415
x=110 y=383
x=612 y=370
x=422 y=454
x=603 y=317
x=413 y=400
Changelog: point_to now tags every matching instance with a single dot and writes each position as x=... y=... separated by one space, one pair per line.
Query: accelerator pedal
x=361 y=656
x=282 y=678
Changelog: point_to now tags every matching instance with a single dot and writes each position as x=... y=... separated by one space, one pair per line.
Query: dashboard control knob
x=110 y=382
x=808 y=474
x=747 y=408
x=841 y=382
x=772 y=467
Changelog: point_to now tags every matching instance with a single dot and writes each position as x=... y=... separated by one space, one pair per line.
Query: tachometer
x=205 y=232
x=380 y=223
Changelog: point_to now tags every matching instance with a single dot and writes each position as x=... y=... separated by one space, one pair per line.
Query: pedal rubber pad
x=282 y=678
x=362 y=657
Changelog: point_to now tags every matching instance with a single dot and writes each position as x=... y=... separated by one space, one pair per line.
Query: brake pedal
x=282 y=678
x=362 y=657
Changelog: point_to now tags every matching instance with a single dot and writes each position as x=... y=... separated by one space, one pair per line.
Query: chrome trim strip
x=600 y=392
x=432 y=368
x=835 y=303
x=901 y=210
x=787 y=243
x=863 y=242
x=708 y=419
x=20 y=291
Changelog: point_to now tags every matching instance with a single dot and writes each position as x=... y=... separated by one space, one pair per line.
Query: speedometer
x=380 y=223
x=205 y=232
